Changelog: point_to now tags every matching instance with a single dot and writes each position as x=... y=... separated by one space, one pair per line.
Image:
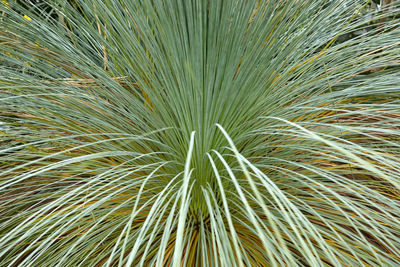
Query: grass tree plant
x=199 y=133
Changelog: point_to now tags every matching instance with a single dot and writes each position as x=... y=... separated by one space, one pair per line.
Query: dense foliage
x=199 y=133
